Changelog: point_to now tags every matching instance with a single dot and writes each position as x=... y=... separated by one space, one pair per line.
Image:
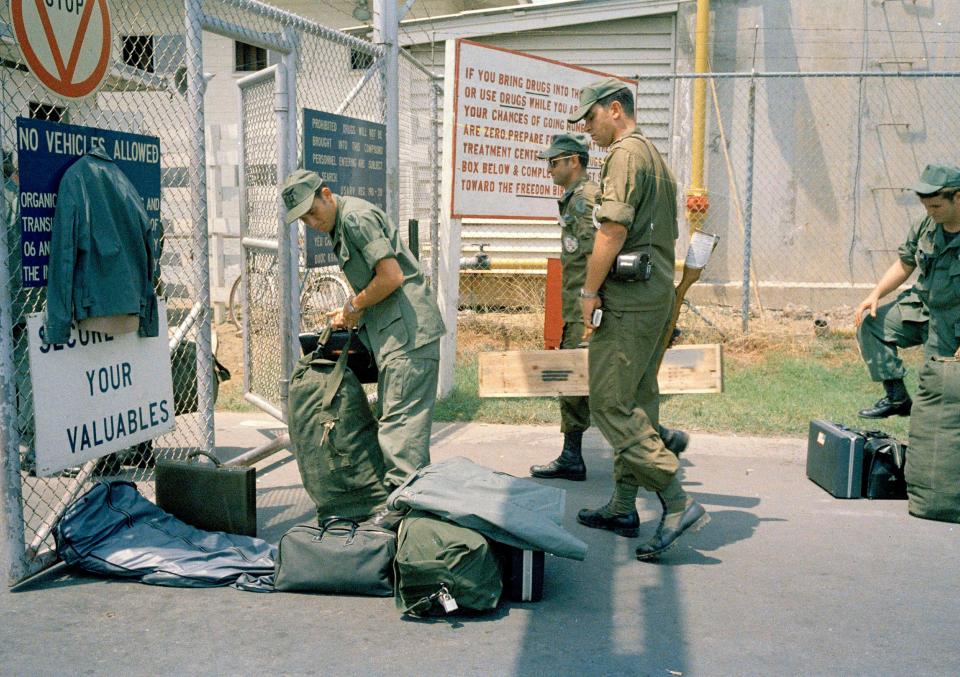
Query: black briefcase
x=835 y=458
x=208 y=497
x=331 y=343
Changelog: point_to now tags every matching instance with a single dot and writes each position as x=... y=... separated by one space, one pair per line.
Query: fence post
x=448 y=243
x=11 y=500
x=748 y=206
x=385 y=28
x=198 y=203
x=292 y=232
x=436 y=130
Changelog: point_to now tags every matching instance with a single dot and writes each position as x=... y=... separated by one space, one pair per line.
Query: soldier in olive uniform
x=397 y=316
x=568 y=156
x=928 y=313
x=636 y=214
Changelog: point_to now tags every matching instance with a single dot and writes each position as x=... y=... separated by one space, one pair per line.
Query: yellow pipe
x=697 y=201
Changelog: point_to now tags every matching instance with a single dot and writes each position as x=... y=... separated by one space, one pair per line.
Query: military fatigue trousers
x=625 y=397
x=880 y=336
x=574 y=411
x=407 y=392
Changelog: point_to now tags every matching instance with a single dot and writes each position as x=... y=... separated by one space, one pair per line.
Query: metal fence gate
x=150 y=89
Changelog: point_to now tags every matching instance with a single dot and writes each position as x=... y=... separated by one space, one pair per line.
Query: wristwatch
x=584 y=294
x=352 y=309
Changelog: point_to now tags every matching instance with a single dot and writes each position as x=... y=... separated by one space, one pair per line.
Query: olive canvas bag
x=334 y=436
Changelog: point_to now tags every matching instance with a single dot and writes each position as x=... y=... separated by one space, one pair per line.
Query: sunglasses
x=553 y=161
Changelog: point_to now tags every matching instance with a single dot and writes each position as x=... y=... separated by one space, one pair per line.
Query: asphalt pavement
x=785 y=580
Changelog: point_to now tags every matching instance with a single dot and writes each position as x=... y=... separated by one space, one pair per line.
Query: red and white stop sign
x=66 y=43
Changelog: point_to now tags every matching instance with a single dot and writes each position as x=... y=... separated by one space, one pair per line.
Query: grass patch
x=776 y=391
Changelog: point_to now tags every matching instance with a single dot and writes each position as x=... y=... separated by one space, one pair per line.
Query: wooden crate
x=545 y=373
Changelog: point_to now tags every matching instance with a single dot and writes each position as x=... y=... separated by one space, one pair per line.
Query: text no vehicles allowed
x=65 y=43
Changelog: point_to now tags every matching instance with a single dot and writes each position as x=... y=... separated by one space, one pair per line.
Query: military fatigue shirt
x=937 y=289
x=638 y=191
x=577 y=232
x=409 y=317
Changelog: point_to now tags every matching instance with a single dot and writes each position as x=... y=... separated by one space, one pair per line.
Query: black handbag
x=340 y=556
x=208 y=497
x=884 y=477
x=331 y=343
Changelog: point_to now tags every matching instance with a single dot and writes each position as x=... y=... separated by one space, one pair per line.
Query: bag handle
x=336 y=376
x=328 y=523
x=192 y=456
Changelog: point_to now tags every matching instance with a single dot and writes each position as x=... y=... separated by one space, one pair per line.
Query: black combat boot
x=619 y=515
x=680 y=514
x=569 y=465
x=674 y=440
x=897 y=401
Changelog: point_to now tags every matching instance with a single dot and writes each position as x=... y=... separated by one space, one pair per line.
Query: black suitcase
x=835 y=458
x=208 y=497
x=522 y=573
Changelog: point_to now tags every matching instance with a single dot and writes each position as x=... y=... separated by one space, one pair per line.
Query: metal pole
x=290 y=62
x=435 y=132
x=196 y=85
x=413 y=237
x=287 y=294
x=385 y=29
x=748 y=206
x=11 y=498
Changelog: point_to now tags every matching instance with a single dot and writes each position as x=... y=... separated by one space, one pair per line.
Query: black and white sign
x=98 y=393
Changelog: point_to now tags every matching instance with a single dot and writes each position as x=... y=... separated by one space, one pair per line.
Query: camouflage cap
x=565 y=144
x=593 y=92
x=298 y=191
x=935 y=178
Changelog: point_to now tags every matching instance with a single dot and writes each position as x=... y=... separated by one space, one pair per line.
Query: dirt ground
x=827 y=336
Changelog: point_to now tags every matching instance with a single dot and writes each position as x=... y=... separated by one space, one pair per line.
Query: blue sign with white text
x=45 y=150
x=348 y=154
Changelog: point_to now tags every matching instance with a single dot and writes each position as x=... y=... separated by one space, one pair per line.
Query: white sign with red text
x=507 y=107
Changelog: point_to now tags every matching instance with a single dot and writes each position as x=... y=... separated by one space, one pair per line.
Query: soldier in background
x=928 y=313
x=568 y=157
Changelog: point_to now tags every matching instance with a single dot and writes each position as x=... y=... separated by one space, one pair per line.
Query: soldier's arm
x=615 y=214
x=368 y=233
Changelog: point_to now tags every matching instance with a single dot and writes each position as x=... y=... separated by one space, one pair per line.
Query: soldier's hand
x=337 y=320
x=869 y=303
x=587 y=306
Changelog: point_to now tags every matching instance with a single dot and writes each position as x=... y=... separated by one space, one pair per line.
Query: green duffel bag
x=442 y=567
x=334 y=436
x=933 y=457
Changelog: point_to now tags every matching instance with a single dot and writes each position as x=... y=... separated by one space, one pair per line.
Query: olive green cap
x=298 y=191
x=565 y=144
x=593 y=92
x=935 y=178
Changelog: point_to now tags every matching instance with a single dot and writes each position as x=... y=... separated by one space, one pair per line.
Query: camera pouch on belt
x=631 y=268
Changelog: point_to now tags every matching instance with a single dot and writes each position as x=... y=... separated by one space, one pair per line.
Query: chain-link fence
x=807 y=179
x=421 y=97
x=145 y=93
x=156 y=86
